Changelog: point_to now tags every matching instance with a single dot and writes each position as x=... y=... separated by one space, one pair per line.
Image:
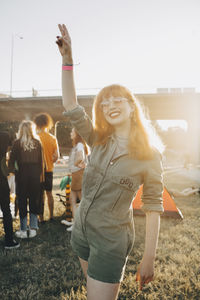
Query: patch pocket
x=126 y=188
x=127 y=182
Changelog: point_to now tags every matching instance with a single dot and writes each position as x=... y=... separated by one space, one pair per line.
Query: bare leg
x=98 y=290
x=41 y=218
x=72 y=199
x=84 y=266
x=50 y=203
x=42 y=201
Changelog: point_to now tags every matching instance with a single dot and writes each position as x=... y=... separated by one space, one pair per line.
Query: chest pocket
x=127 y=188
x=127 y=182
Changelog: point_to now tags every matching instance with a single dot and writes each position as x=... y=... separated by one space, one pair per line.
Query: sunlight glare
x=166 y=124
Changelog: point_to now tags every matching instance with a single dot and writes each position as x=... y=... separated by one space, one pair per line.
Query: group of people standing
x=31 y=159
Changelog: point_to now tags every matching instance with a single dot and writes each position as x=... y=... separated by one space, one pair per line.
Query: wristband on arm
x=67 y=67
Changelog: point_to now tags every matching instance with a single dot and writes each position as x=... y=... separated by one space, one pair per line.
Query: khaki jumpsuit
x=103 y=232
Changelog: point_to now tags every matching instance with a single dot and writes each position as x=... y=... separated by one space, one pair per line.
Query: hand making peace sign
x=64 y=42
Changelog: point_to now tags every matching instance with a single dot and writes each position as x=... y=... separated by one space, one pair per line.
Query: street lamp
x=12 y=55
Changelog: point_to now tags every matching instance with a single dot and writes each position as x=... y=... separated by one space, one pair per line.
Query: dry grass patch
x=46 y=268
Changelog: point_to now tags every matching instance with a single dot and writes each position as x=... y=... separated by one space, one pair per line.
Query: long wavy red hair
x=143 y=138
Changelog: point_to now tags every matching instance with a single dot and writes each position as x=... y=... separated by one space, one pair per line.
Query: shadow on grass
x=45 y=267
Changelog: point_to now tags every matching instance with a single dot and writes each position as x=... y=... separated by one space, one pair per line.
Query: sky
x=142 y=44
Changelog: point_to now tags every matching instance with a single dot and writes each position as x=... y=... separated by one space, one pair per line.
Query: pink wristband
x=67 y=68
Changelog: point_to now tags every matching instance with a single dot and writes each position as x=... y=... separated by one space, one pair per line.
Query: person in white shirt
x=77 y=163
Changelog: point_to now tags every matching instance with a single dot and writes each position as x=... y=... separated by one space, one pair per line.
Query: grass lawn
x=46 y=268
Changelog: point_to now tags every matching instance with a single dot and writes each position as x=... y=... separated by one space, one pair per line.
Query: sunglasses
x=114 y=100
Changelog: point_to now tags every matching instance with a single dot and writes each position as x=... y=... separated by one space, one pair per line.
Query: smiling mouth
x=114 y=114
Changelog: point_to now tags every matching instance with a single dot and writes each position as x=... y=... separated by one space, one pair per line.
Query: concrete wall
x=185 y=106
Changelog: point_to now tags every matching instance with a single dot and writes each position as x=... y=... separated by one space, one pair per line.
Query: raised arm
x=68 y=86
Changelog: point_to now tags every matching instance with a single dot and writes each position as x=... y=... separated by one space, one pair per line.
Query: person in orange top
x=49 y=142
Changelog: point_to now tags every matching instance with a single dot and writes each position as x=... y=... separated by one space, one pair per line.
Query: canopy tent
x=170 y=209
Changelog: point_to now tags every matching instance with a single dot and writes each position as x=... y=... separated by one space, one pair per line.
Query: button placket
x=97 y=186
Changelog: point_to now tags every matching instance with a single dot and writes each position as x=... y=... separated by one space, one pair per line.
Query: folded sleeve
x=82 y=123
x=152 y=199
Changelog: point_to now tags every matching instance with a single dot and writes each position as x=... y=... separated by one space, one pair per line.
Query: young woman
x=123 y=156
x=44 y=123
x=26 y=156
x=77 y=163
